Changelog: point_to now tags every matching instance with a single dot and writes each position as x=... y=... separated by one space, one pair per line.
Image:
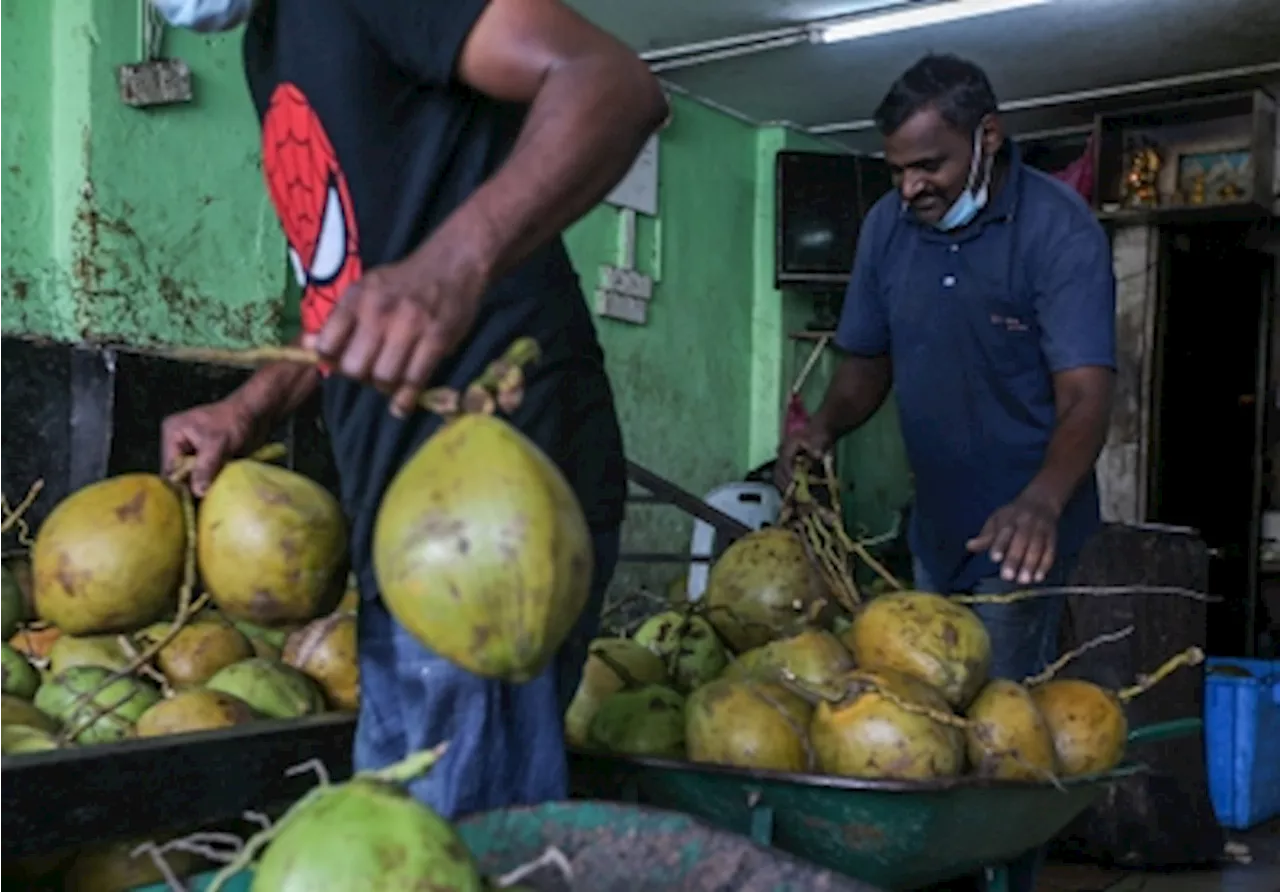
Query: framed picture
x=1215 y=177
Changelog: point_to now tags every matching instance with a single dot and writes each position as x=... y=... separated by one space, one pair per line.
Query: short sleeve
x=424 y=37
x=864 y=319
x=1076 y=302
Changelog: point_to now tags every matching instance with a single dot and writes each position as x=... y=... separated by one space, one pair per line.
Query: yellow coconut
x=109 y=557
x=482 y=551
x=749 y=724
x=1087 y=722
x=272 y=545
x=813 y=657
x=198 y=651
x=326 y=651
x=198 y=709
x=885 y=727
x=764 y=587
x=926 y=636
x=1008 y=738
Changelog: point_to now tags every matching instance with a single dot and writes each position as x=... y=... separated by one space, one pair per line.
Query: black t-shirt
x=369 y=142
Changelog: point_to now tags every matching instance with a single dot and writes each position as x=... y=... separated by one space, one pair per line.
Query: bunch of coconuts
x=766 y=674
x=102 y=589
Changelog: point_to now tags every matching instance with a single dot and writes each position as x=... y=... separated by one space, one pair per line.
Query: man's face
x=930 y=162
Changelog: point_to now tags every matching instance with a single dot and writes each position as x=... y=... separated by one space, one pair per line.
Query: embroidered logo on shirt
x=1009 y=323
x=310 y=194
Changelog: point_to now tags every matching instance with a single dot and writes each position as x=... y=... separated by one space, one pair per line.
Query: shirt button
x=955 y=248
x=948 y=281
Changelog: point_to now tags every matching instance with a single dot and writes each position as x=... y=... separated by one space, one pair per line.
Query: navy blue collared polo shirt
x=976 y=323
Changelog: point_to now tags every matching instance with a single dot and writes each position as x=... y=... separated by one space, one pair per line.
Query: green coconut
x=814 y=658
x=109 y=715
x=764 y=587
x=612 y=664
x=365 y=834
x=749 y=724
x=688 y=645
x=14 y=712
x=18 y=739
x=267 y=641
x=489 y=570
x=271 y=688
x=20 y=678
x=646 y=721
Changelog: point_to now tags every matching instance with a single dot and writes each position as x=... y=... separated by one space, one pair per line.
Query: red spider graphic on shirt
x=314 y=204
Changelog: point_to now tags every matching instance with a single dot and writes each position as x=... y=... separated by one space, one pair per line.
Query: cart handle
x=1169 y=730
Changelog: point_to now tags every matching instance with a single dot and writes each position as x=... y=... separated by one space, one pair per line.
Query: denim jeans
x=506 y=741
x=1024 y=640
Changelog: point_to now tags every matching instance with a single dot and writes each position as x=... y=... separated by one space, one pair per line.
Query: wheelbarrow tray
x=613 y=847
x=893 y=834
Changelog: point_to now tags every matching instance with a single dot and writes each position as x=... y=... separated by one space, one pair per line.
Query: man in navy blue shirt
x=983 y=293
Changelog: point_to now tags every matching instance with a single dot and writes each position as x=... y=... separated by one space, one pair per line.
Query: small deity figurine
x=1140 y=182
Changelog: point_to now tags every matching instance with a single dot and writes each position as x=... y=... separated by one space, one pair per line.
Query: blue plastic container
x=1242 y=736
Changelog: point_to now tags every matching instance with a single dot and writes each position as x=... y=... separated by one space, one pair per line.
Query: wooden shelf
x=1233 y=212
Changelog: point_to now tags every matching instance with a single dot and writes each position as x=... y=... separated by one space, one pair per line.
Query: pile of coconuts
x=765 y=673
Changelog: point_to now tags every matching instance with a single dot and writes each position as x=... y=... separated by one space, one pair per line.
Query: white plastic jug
x=754 y=504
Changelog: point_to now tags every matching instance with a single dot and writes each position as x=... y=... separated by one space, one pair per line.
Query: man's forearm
x=583 y=131
x=274 y=392
x=1077 y=440
x=857 y=389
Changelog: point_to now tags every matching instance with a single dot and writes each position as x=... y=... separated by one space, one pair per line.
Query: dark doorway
x=1204 y=465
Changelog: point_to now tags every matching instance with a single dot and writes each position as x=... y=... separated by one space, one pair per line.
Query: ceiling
x=1064 y=46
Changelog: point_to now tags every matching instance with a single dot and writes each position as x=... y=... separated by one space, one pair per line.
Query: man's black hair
x=957 y=88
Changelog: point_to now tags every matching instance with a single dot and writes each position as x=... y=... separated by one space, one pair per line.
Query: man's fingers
x=174 y=444
x=1047 y=557
x=982 y=541
x=1030 y=563
x=209 y=461
x=1001 y=541
x=426 y=356
x=1012 y=554
x=331 y=343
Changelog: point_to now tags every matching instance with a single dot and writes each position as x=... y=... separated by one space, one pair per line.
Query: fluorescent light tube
x=916 y=15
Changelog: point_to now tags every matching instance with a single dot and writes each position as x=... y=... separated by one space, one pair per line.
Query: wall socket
x=622 y=307
x=629 y=282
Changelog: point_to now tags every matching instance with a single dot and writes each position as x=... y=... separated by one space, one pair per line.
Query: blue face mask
x=974 y=197
x=204 y=15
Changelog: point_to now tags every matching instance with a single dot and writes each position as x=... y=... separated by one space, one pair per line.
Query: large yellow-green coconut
x=687 y=644
x=482 y=551
x=880 y=729
x=1087 y=722
x=749 y=725
x=612 y=664
x=926 y=636
x=647 y=721
x=1008 y=738
x=198 y=709
x=272 y=545
x=326 y=651
x=764 y=587
x=814 y=658
x=109 y=557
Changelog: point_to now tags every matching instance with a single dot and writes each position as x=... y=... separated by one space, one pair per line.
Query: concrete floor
x=1256 y=869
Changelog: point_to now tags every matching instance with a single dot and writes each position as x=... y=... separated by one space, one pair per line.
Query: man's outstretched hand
x=1022 y=538
x=394 y=327
x=813 y=441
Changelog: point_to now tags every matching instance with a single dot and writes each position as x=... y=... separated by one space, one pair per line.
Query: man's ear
x=992 y=134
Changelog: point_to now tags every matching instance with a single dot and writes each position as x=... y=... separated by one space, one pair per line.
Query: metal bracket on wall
x=153 y=81
x=664 y=492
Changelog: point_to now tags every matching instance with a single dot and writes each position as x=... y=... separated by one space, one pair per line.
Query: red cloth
x=1079 y=173
x=797 y=418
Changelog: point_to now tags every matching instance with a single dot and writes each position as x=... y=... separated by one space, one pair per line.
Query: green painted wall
x=152 y=227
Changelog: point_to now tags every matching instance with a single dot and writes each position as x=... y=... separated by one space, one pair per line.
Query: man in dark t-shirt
x=423 y=157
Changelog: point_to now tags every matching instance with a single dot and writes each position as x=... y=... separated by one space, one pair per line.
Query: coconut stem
x=503 y=379
x=1059 y=664
x=1093 y=591
x=1192 y=656
x=552 y=857
x=408 y=769
x=13 y=516
x=187 y=605
x=629 y=681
